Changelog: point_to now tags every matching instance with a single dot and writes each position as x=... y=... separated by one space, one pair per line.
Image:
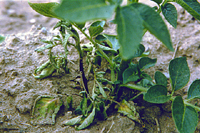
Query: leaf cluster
x=132 y=22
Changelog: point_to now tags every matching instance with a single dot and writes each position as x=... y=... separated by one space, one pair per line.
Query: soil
x=24 y=29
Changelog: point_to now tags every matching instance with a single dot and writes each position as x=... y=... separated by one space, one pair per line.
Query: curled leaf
x=87 y=120
x=45 y=109
x=129 y=110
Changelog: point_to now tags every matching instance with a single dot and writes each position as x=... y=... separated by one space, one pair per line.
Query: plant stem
x=84 y=79
x=191 y=105
x=96 y=46
x=135 y=87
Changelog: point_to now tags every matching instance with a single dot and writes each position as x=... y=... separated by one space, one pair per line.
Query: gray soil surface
x=24 y=29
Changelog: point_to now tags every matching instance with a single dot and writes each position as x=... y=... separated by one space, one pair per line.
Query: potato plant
x=132 y=21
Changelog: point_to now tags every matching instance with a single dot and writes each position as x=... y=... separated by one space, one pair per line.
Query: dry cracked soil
x=24 y=29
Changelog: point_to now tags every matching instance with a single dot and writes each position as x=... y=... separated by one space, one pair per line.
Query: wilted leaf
x=74 y=121
x=45 y=110
x=179 y=73
x=96 y=28
x=194 y=90
x=157 y=94
x=101 y=89
x=129 y=110
x=101 y=111
x=87 y=120
x=112 y=41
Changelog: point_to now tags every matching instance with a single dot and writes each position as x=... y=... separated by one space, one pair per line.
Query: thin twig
x=174 y=55
x=111 y=126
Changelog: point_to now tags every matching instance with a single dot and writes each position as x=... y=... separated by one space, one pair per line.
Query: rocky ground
x=24 y=28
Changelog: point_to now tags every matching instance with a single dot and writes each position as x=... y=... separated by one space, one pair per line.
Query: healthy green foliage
x=84 y=10
x=158 y=1
x=192 y=6
x=45 y=9
x=160 y=78
x=190 y=120
x=2 y=38
x=129 y=31
x=146 y=62
x=131 y=74
x=185 y=117
x=194 y=90
x=179 y=73
x=178 y=110
x=170 y=13
x=153 y=22
x=157 y=94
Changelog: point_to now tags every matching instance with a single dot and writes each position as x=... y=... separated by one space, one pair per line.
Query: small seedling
x=132 y=22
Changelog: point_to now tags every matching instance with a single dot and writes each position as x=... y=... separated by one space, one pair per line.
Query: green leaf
x=96 y=28
x=145 y=76
x=84 y=10
x=45 y=110
x=131 y=74
x=131 y=1
x=192 y=6
x=101 y=114
x=160 y=78
x=178 y=110
x=73 y=121
x=170 y=14
x=84 y=105
x=185 y=118
x=157 y=94
x=140 y=50
x=194 y=90
x=87 y=121
x=146 y=62
x=179 y=73
x=80 y=25
x=128 y=109
x=112 y=41
x=146 y=83
x=48 y=46
x=115 y=1
x=2 y=38
x=45 y=9
x=130 y=31
x=154 y=23
x=101 y=89
x=190 y=120
x=157 y=1
x=45 y=72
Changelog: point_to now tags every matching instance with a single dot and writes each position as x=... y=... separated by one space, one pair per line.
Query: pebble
x=11 y=13
x=32 y=21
